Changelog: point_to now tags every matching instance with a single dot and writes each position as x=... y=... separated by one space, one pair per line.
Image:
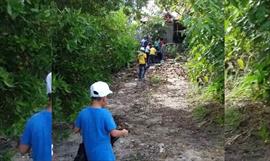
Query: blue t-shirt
x=95 y=126
x=38 y=135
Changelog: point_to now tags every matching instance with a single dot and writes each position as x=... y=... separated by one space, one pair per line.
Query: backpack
x=81 y=154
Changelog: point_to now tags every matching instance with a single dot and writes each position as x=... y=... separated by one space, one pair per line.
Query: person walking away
x=152 y=55
x=37 y=134
x=162 y=51
x=142 y=58
x=157 y=47
x=147 y=51
x=95 y=123
x=162 y=44
x=157 y=44
x=142 y=42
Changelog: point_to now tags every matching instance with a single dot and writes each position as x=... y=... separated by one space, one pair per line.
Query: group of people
x=95 y=124
x=149 y=54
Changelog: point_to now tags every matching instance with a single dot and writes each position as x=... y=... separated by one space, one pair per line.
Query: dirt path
x=158 y=115
x=245 y=142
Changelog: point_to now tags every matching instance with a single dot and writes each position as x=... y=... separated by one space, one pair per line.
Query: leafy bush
x=88 y=49
x=78 y=47
x=155 y=27
x=206 y=44
x=25 y=60
x=247 y=49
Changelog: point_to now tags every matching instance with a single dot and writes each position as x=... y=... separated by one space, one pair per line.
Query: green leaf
x=14 y=7
x=5 y=78
x=241 y=63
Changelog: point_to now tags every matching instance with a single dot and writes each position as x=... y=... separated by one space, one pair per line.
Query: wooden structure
x=174 y=29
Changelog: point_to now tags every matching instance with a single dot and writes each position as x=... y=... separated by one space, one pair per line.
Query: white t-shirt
x=147 y=50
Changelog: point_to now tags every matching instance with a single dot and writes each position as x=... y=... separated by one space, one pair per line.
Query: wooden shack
x=174 y=29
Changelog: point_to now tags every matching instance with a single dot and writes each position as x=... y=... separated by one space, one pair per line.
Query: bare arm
x=77 y=130
x=24 y=148
x=119 y=133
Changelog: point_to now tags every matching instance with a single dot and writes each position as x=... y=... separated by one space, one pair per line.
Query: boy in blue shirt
x=96 y=125
x=37 y=134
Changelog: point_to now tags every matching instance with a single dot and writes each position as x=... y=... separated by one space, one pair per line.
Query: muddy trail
x=157 y=113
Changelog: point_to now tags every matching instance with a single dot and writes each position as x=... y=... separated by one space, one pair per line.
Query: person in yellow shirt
x=152 y=55
x=142 y=57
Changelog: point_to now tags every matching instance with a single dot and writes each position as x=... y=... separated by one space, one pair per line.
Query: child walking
x=96 y=125
x=152 y=55
x=37 y=135
x=142 y=58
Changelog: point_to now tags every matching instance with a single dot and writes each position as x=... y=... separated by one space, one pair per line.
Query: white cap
x=142 y=49
x=100 y=89
x=49 y=83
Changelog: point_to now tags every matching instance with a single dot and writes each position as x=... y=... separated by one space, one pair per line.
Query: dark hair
x=96 y=98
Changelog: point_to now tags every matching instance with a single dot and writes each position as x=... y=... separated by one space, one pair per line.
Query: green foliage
x=213 y=90
x=89 y=49
x=78 y=46
x=93 y=7
x=102 y=8
x=247 y=41
x=7 y=155
x=25 y=60
x=219 y=120
x=204 y=21
x=232 y=119
x=172 y=50
x=264 y=132
x=199 y=113
x=206 y=44
x=155 y=26
x=247 y=38
x=181 y=7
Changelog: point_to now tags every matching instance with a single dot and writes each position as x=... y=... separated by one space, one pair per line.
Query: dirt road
x=158 y=115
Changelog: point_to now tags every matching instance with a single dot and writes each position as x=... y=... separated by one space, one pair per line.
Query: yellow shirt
x=142 y=57
x=153 y=51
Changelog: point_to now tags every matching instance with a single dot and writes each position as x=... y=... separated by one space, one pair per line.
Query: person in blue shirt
x=96 y=125
x=37 y=134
